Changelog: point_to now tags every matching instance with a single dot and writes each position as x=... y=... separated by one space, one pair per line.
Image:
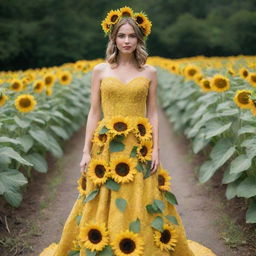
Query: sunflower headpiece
x=115 y=16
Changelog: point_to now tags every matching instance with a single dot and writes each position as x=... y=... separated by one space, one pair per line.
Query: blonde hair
x=140 y=53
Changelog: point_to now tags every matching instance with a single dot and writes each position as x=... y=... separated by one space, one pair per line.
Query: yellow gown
x=121 y=209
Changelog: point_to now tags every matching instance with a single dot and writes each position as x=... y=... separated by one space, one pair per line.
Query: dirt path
x=197 y=210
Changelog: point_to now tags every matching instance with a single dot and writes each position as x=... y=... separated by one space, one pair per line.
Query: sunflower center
x=126 y=14
x=206 y=84
x=83 y=183
x=100 y=170
x=245 y=73
x=64 y=78
x=25 y=102
x=127 y=245
x=220 y=82
x=103 y=137
x=120 y=126
x=94 y=236
x=243 y=97
x=165 y=236
x=253 y=78
x=15 y=85
x=142 y=129
x=48 y=80
x=144 y=150
x=122 y=169
x=161 y=180
x=139 y=20
x=114 y=18
x=191 y=72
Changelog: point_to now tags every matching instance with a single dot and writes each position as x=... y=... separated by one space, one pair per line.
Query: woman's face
x=126 y=39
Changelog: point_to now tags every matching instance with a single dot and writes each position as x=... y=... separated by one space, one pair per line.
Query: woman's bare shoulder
x=150 y=70
x=100 y=66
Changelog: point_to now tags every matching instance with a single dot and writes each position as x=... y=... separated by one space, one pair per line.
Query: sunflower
x=146 y=28
x=243 y=72
x=126 y=11
x=219 y=83
x=205 y=85
x=98 y=171
x=119 y=125
x=94 y=236
x=48 y=91
x=82 y=184
x=163 y=180
x=190 y=71
x=105 y=26
x=100 y=138
x=242 y=99
x=79 y=65
x=113 y=16
x=25 y=103
x=143 y=130
x=141 y=18
x=38 y=86
x=65 y=77
x=198 y=77
x=167 y=239
x=144 y=151
x=49 y=80
x=16 y=85
x=128 y=243
x=122 y=169
x=253 y=108
x=3 y=99
x=252 y=79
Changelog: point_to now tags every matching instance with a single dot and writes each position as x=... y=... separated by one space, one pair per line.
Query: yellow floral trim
x=167 y=239
x=94 y=236
x=128 y=243
x=123 y=169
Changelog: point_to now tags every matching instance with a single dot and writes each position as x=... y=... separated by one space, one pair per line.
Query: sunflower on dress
x=163 y=179
x=143 y=129
x=144 y=151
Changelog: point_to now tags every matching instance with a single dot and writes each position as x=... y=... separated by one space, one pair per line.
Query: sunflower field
x=39 y=109
x=213 y=102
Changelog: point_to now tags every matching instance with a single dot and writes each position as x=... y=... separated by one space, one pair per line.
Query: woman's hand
x=84 y=162
x=155 y=161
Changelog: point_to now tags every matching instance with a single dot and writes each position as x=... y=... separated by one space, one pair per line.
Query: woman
x=125 y=206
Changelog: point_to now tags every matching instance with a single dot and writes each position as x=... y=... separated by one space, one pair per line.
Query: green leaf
x=103 y=130
x=228 y=177
x=11 y=153
x=111 y=184
x=121 y=204
x=247 y=129
x=172 y=219
x=59 y=131
x=5 y=139
x=247 y=188
x=199 y=142
x=148 y=168
x=157 y=223
x=139 y=167
x=170 y=197
x=74 y=253
x=240 y=164
x=151 y=208
x=13 y=197
x=40 y=136
x=78 y=219
x=135 y=226
x=38 y=161
x=116 y=146
x=92 y=195
x=215 y=128
x=251 y=213
x=231 y=190
x=159 y=204
x=22 y=123
x=134 y=152
x=90 y=253
x=26 y=141
x=206 y=171
x=107 y=251
x=54 y=147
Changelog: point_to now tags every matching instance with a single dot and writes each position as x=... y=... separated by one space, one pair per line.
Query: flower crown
x=115 y=16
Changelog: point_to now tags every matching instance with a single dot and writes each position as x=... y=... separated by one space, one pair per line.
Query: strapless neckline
x=123 y=83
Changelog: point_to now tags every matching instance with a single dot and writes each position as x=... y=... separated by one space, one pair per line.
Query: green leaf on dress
x=92 y=195
x=74 y=253
x=159 y=204
x=139 y=167
x=107 y=251
x=135 y=226
x=170 y=197
x=152 y=208
x=90 y=253
x=103 y=130
x=78 y=219
x=116 y=146
x=134 y=152
x=157 y=223
x=172 y=219
x=111 y=184
x=121 y=204
x=148 y=168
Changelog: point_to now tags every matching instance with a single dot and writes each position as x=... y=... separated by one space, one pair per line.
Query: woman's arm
x=153 y=118
x=94 y=114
